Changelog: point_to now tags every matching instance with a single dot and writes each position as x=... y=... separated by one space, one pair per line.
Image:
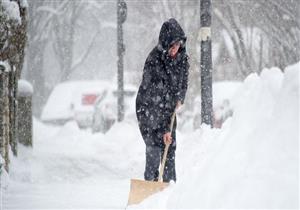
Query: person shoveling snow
x=162 y=90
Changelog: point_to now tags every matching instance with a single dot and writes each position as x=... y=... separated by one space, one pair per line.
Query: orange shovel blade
x=141 y=189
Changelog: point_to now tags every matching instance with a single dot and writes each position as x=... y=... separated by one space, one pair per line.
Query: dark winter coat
x=164 y=83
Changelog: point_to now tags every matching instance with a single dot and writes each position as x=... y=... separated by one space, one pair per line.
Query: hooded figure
x=163 y=88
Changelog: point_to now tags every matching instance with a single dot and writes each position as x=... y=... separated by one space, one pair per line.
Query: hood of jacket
x=170 y=33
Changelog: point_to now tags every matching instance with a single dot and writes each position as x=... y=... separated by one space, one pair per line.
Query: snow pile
x=68 y=154
x=11 y=9
x=224 y=90
x=253 y=161
x=24 y=88
x=72 y=168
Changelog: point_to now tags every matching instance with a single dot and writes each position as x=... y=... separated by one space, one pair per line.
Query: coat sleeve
x=166 y=122
x=180 y=95
x=144 y=90
x=184 y=80
x=147 y=74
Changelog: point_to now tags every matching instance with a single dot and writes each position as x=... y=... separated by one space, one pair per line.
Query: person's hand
x=178 y=105
x=167 y=138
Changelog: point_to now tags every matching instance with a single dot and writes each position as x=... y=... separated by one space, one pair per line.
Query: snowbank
x=224 y=90
x=70 y=168
x=253 y=161
x=69 y=154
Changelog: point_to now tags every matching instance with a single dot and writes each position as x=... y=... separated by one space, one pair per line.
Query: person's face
x=174 y=49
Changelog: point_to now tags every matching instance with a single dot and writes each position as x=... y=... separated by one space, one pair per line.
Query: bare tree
x=281 y=23
x=39 y=26
x=65 y=23
x=278 y=24
x=54 y=26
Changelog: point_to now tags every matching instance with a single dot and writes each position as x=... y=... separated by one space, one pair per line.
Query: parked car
x=73 y=100
x=106 y=108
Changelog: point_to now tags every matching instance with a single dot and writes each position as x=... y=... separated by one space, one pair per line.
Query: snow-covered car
x=73 y=100
x=106 y=110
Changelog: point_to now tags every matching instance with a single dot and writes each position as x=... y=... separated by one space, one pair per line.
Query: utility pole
x=121 y=17
x=206 y=63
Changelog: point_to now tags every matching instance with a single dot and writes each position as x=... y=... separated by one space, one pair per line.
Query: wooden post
x=4 y=114
x=24 y=113
x=12 y=100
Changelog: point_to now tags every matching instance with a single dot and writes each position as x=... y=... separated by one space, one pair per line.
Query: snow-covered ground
x=72 y=168
x=252 y=162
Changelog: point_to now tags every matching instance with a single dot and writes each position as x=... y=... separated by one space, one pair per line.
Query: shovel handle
x=162 y=166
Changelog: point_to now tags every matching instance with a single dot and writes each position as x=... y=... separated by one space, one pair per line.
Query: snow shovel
x=141 y=189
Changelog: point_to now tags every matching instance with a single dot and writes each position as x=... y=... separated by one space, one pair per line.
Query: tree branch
x=84 y=55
